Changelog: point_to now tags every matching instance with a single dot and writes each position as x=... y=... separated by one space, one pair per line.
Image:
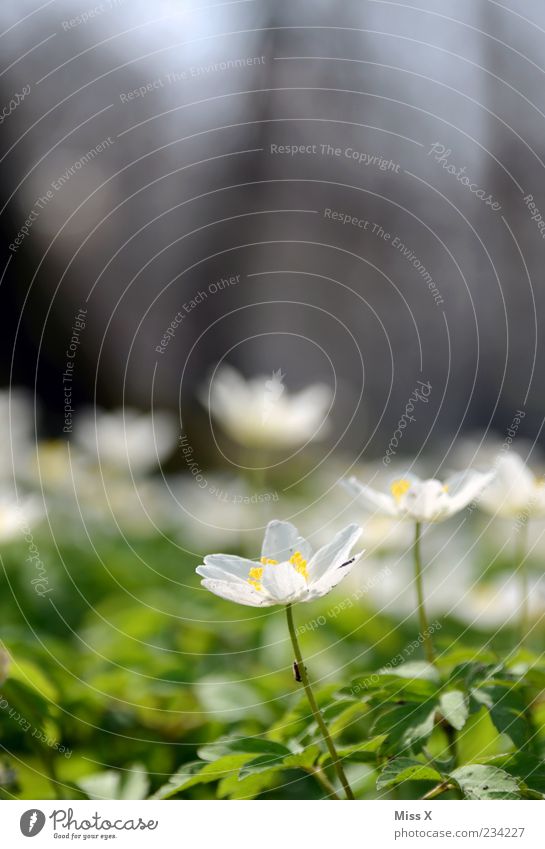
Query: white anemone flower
x=515 y=490
x=126 y=439
x=422 y=500
x=287 y=572
x=17 y=516
x=261 y=412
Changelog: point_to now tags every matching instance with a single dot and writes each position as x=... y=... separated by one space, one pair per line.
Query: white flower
x=515 y=490
x=261 y=412
x=287 y=571
x=17 y=515
x=16 y=430
x=422 y=500
x=126 y=439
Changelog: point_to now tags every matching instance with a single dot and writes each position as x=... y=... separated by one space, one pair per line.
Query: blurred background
x=187 y=100
x=237 y=239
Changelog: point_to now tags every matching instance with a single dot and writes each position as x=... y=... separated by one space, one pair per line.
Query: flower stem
x=440 y=788
x=424 y=629
x=522 y=569
x=337 y=765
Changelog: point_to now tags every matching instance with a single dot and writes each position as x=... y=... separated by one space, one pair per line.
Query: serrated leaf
x=406 y=769
x=480 y=781
x=454 y=707
x=527 y=768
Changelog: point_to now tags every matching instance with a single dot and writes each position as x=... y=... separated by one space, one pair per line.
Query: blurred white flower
x=422 y=500
x=261 y=412
x=497 y=603
x=515 y=490
x=126 y=440
x=287 y=572
x=17 y=515
x=16 y=430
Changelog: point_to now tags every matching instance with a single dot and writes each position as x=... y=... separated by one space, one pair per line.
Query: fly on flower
x=287 y=571
x=422 y=500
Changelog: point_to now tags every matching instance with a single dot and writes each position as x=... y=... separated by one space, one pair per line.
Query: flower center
x=399 y=488
x=300 y=564
x=256 y=572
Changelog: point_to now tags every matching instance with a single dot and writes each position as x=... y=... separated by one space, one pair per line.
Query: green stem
x=323 y=781
x=440 y=788
x=522 y=569
x=337 y=765
x=424 y=629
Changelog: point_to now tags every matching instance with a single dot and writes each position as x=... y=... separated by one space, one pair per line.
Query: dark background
x=189 y=192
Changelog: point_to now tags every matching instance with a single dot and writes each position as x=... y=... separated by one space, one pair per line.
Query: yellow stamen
x=445 y=487
x=300 y=564
x=399 y=488
x=268 y=562
x=254 y=577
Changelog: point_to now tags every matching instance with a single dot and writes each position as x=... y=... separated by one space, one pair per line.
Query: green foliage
x=119 y=695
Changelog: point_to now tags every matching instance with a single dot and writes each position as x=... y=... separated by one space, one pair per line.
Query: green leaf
x=303 y=760
x=246 y=788
x=241 y=745
x=479 y=781
x=506 y=707
x=299 y=760
x=407 y=726
x=416 y=669
x=454 y=707
x=263 y=763
x=406 y=769
x=347 y=717
x=389 y=686
x=527 y=768
x=359 y=753
x=196 y=773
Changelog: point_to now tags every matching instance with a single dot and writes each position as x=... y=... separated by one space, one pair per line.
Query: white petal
x=332 y=577
x=372 y=499
x=281 y=540
x=512 y=488
x=283 y=583
x=230 y=563
x=335 y=553
x=237 y=591
x=217 y=573
x=465 y=488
